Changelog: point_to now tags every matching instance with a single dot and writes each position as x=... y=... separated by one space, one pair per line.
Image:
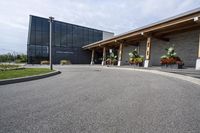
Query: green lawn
x=22 y=72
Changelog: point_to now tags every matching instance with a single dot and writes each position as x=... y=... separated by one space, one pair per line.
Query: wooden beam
x=199 y=48
x=92 y=58
x=198 y=59
x=177 y=30
x=148 y=52
x=162 y=38
x=104 y=56
x=148 y=48
x=120 y=54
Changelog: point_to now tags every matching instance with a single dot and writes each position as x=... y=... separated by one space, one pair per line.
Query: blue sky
x=117 y=16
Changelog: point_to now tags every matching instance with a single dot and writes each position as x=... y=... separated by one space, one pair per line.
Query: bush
x=45 y=62
x=21 y=58
x=65 y=62
x=18 y=61
x=9 y=57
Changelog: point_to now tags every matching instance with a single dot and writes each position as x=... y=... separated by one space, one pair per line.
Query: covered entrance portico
x=182 y=31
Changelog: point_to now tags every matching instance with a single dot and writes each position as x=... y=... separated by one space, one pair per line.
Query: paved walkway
x=94 y=99
x=186 y=71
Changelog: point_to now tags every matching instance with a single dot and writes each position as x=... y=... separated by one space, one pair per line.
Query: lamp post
x=50 y=42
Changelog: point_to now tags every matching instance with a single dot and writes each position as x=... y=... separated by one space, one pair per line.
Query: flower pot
x=136 y=65
x=172 y=66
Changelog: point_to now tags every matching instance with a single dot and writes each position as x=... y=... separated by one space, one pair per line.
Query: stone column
x=120 y=54
x=92 y=58
x=104 y=56
x=198 y=59
x=148 y=52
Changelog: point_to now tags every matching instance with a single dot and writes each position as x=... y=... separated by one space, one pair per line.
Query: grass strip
x=23 y=73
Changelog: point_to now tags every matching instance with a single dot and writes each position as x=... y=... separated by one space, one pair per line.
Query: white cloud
x=113 y=15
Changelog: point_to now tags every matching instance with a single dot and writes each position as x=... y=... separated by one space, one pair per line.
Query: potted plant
x=112 y=59
x=171 y=60
x=135 y=59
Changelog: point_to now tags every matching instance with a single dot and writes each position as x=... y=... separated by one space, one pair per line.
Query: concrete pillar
x=148 y=52
x=104 y=56
x=120 y=54
x=92 y=58
x=198 y=59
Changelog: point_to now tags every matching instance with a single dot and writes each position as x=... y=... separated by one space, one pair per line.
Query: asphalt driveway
x=89 y=99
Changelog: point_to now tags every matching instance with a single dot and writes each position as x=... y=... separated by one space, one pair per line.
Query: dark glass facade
x=67 y=41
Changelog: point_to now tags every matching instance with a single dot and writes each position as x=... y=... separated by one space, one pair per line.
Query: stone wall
x=126 y=50
x=186 y=46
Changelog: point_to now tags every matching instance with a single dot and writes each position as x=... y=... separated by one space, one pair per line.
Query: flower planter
x=171 y=60
x=136 y=65
x=172 y=66
x=108 y=63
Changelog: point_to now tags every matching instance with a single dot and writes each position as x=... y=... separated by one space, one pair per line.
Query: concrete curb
x=28 y=78
x=178 y=76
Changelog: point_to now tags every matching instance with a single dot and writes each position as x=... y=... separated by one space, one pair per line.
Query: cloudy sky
x=117 y=16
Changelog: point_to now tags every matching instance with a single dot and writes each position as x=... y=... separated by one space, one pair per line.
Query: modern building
x=182 y=31
x=67 y=41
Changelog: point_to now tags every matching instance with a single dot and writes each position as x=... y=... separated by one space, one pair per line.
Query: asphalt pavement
x=87 y=99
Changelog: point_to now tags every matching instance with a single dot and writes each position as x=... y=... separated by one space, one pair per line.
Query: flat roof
x=188 y=13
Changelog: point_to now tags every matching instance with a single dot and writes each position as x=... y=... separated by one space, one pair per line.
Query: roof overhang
x=183 y=22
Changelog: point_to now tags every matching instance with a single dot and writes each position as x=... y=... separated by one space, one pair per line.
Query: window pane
x=63 y=27
x=38 y=24
x=81 y=36
x=63 y=39
x=75 y=37
x=32 y=37
x=90 y=35
x=45 y=51
x=38 y=50
x=38 y=37
x=33 y=24
x=57 y=27
x=100 y=35
x=57 y=39
x=69 y=35
x=45 y=26
x=32 y=50
x=86 y=36
x=45 y=38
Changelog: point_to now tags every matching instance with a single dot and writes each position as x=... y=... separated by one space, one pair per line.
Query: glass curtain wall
x=66 y=37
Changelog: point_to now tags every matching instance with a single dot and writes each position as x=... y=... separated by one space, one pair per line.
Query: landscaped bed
x=4 y=67
x=9 y=74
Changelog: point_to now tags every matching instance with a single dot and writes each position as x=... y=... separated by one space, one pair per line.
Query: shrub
x=18 y=61
x=12 y=57
x=22 y=58
x=45 y=62
x=65 y=62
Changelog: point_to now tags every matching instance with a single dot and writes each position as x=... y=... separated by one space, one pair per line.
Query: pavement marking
x=178 y=76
